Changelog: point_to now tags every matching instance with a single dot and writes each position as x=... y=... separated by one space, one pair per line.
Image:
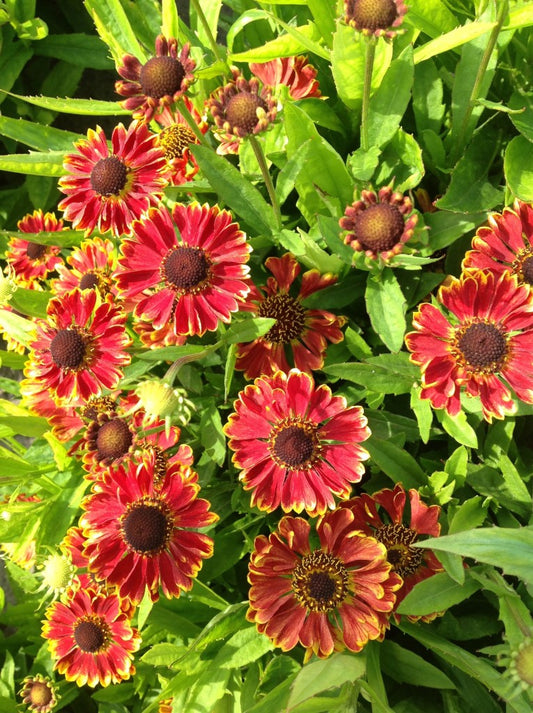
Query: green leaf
x=308 y=252
x=492 y=483
x=362 y=164
x=401 y=163
x=211 y=435
x=423 y=412
x=113 y=26
x=405 y=666
x=12 y=61
x=348 y=64
x=63 y=238
x=518 y=167
x=247 y=330
x=522 y=104
x=76 y=48
x=37 y=136
x=432 y=17
x=507 y=548
x=385 y=373
x=169 y=18
x=243 y=648
x=445 y=227
x=436 y=594
x=399 y=465
x=296 y=41
x=163 y=654
x=35 y=163
x=428 y=93
x=386 y=307
x=389 y=102
x=235 y=190
x=83 y=107
x=319 y=676
x=451 y=40
x=457 y=427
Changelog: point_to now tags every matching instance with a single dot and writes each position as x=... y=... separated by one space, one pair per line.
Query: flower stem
x=212 y=41
x=191 y=122
x=260 y=156
x=370 y=53
x=476 y=89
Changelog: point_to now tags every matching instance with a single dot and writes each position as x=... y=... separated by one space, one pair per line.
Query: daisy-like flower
x=337 y=596
x=385 y=516
x=375 y=17
x=297 y=445
x=240 y=108
x=505 y=244
x=38 y=693
x=141 y=535
x=159 y=82
x=90 y=637
x=304 y=332
x=31 y=262
x=187 y=269
x=91 y=266
x=379 y=224
x=483 y=342
x=175 y=139
x=293 y=72
x=106 y=189
x=80 y=348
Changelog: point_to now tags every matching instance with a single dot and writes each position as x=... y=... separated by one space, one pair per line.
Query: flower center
x=483 y=346
x=146 y=528
x=91 y=634
x=523 y=663
x=379 y=227
x=175 y=139
x=114 y=439
x=161 y=77
x=57 y=572
x=40 y=694
x=35 y=251
x=398 y=538
x=289 y=315
x=294 y=444
x=241 y=111
x=320 y=581
x=185 y=268
x=526 y=269
x=88 y=281
x=96 y=405
x=372 y=14
x=108 y=176
x=68 y=349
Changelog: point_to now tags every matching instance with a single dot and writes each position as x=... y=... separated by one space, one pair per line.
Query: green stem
x=267 y=178
x=370 y=53
x=212 y=41
x=476 y=89
x=192 y=123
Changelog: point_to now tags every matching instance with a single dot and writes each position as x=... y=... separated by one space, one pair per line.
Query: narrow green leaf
x=386 y=307
x=13 y=58
x=235 y=190
x=451 y=40
x=308 y=252
x=386 y=373
x=169 y=18
x=507 y=548
x=76 y=48
x=432 y=17
x=113 y=26
x=518 y=167
x=247 y=330
x=423 y=412
x=436 y=594
x=295 y=41
x=405 y=666
x=37 y=136
x=399 y=465
x=35 y=163
x=164 y=654
x=83 y=107
x=63 y=238
x=244 y=647
x=458 y=427
x=320 y=676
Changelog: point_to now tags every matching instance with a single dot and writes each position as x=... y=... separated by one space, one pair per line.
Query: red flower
x=296 y=444
x=240 y=108
x=485 y=337
x=32 y=262
x=506 y=244
x=157 y=83
x=338 y=595
x=175 y=138
x=379 y=225
x=305 y=331
x=375 y=17
x=90 y=637
x=80 y=349
x=293 y=72
x=385 y=517
x=193 y=277
x=91 y=267
x=140 y=534
x=107 y=190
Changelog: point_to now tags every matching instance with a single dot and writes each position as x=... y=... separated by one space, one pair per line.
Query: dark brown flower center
x=161 y=77
x=109 y=176
x=294 y=444
x=114 y=439
x=185 y=268
x=379 y=227
x=91 y=634
x=527 y=270
x=146 y=528
x=289 y=315
x=320 y=581
x=398 y=538
x=96 y=405
x=68 y=349
x=175 y=139
x=372 y=14
x=40 y=694
x=35 y=251
x=89 y=281
x=241 y=111
x=483 y=346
